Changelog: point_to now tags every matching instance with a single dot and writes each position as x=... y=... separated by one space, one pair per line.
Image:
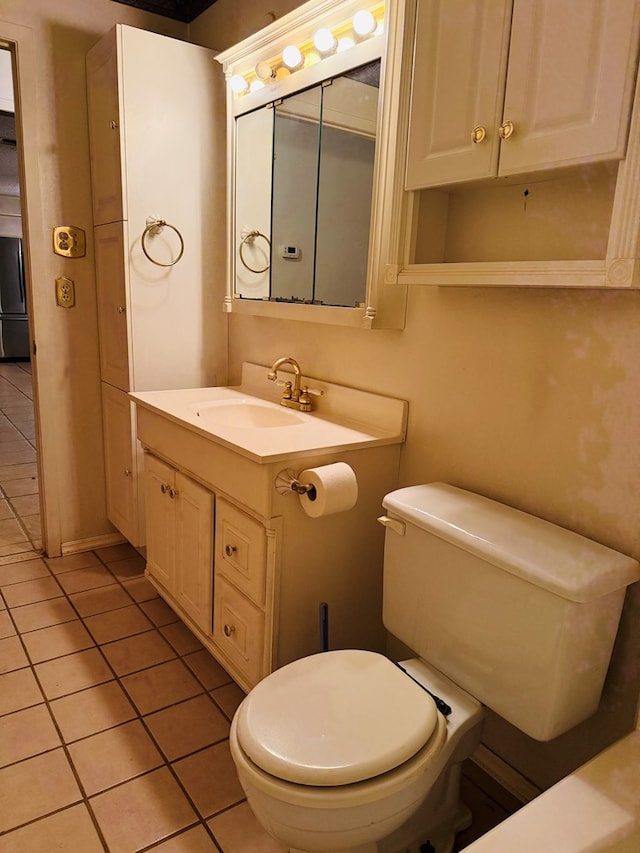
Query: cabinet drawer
x=241 y=550
x=238 y=629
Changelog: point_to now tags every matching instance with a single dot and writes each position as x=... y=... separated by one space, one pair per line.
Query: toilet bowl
x=340 y=751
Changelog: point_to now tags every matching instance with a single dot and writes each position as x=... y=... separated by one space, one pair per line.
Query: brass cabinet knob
x=163 y=488
x=230 y=550
x=120 y=309
x=478 y=134
x=127 y=472
x=506 y=129
x=228 y=630
x=173 y=493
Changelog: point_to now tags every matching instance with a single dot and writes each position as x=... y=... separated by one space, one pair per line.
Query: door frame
x=21 y=41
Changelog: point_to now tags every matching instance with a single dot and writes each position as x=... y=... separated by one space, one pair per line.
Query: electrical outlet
x=65 y=292
x=69 y=241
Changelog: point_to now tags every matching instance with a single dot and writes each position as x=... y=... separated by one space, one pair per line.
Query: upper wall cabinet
x=503 y=87
x=519 y=137
x=312 y=115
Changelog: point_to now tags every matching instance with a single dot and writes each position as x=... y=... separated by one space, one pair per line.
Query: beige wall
x=53 y=39
x=530 y=397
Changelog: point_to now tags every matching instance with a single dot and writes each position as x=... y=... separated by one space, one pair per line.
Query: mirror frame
x=386 y=299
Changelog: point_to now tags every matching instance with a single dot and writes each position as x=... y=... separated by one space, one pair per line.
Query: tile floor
x=20 y=525
x=114 y=720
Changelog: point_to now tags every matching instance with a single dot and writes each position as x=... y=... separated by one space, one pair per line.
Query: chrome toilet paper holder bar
x=287 y=482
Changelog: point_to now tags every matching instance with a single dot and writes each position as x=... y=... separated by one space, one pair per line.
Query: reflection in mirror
x=304 y=178
x=296 y=143
x=254 y=156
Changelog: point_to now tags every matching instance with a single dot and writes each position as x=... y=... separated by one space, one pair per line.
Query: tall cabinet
x=156 y=123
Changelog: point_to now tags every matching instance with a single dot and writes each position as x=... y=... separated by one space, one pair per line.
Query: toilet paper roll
x=335 y=489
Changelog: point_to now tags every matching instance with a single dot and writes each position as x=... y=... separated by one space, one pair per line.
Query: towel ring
x=160 y=224
x=250 y=238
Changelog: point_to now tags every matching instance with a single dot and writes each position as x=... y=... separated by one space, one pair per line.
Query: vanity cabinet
x=180 y=538
x=234 y=553
x=156 y=123
x=502 y=87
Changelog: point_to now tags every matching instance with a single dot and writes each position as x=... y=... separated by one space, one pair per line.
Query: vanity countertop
x=249 y=420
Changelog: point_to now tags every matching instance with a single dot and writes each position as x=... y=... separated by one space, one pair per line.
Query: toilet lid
x=335 y=718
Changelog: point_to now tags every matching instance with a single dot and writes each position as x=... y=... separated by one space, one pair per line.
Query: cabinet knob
x=228 y=630
x=173 y=493
x=113 y=124
x=230 y=550
x=127 y=472
x=120 y=309
x=163 y=488
x=506 y=129
x=478 y=134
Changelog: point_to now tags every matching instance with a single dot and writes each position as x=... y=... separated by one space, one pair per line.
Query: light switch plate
x=69 y=241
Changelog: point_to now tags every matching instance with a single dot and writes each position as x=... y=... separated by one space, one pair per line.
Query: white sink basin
x=245 y=414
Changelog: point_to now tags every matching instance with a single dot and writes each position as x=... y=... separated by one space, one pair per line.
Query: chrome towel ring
x=250 y=238
x=155 y=226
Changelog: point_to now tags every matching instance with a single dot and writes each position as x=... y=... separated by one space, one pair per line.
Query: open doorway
x=20 y=514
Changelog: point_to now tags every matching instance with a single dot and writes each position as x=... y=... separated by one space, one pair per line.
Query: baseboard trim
x=505 y=775
x=92 y=543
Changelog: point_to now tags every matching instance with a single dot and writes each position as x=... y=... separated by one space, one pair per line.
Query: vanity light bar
x=325 y=41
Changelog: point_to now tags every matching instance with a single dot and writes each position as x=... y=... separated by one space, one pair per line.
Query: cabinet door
x=460 y=57
x=112 y=304
x=121 y=463
x=161 y=521
x=194 y=550
x=104 y=132
x=569 y=83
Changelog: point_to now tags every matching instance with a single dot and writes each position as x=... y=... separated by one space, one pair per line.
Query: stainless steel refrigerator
x=14 y=328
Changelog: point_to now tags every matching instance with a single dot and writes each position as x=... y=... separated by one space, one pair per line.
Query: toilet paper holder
x=287 y=482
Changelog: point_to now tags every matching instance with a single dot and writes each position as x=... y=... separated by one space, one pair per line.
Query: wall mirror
x=303 y=190
x=307 y=142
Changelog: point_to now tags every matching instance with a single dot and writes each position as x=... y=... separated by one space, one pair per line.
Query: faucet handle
x=305 y=398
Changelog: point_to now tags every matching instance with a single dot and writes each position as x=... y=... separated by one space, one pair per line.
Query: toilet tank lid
x=538 y=551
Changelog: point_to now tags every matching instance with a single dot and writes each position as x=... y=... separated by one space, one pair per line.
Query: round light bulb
x=311 y=57
x=238 y=84
x=282 y=72
x=325 y=41
x=345 y=43
x=363 y=23
x=264 y=71
x=255 y=85
x=292 y=57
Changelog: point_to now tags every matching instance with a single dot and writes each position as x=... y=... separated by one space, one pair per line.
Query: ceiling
x=179 y=10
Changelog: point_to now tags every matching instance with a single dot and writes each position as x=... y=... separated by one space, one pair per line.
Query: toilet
x=348 y=751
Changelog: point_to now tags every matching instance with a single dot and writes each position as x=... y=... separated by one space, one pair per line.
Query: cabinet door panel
x=105 y=132
x=121 y=463
x=460 y=59
x=569 y=82
x=112 y=304
x=194 y=545
x=160 y=516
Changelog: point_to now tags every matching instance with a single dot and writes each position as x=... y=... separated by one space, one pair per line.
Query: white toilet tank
x=519 y=612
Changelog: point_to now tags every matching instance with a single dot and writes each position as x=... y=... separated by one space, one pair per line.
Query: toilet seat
x=334 y=719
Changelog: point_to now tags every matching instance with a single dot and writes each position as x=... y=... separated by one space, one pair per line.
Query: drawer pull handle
x=163 y=488
x=230 y=550
x=478 y=134
x=228 y=630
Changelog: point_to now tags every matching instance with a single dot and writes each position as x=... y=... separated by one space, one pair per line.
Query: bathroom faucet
x=293 y=396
